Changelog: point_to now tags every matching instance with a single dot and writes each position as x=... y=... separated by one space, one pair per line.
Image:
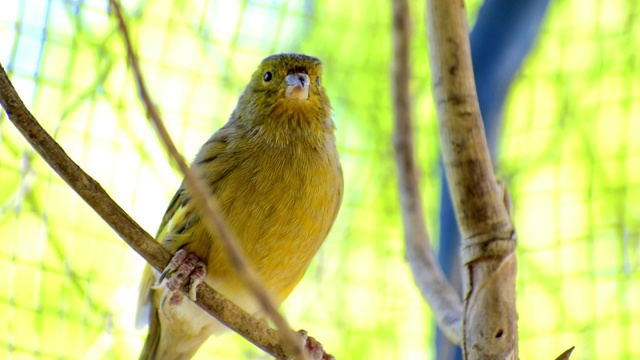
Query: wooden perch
x=228 y=313
x=488 y=237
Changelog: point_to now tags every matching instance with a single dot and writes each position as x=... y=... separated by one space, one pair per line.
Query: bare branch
x=228 y=313
x=488 y=237
x=435 y=288
x=209 y=206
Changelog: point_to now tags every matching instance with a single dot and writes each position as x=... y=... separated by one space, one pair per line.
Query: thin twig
x=567 y=354
x=209 y=206
x=436 y=290
x=228 y=313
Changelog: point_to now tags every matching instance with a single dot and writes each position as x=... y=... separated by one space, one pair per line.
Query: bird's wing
x=179 y=215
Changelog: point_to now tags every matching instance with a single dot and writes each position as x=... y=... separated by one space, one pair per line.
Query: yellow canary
x=274 y=169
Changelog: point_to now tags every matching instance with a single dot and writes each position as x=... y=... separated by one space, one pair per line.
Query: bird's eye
x=268 y=76
x=318 y=80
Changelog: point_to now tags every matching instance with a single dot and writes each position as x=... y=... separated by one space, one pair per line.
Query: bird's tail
x=150 y=349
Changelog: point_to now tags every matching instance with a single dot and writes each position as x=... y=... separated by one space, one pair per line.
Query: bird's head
x=285 y=87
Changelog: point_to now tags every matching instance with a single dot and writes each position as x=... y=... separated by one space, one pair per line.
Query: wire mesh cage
x=569 y=151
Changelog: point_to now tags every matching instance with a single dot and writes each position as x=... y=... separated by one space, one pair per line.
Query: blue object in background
x=503 y=35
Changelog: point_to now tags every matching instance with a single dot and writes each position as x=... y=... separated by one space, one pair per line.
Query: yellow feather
x=275 y=171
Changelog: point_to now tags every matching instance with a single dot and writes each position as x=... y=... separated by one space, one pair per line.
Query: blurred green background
x=569 y=152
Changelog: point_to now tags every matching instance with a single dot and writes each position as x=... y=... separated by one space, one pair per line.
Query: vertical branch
x=438 y=293
x=488 y=237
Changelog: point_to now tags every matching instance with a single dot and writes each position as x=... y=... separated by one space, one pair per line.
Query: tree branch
x=488 y=237
x=436 y=290
x=228 y=313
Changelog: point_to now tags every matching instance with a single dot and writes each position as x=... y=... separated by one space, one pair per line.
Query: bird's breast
x=280 y=204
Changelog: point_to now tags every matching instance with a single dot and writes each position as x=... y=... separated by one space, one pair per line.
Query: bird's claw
x=183 y=265
x=177 y=259
x=196 y=278
x=314 y=347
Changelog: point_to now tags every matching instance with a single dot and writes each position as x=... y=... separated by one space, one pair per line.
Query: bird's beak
x=297 y=86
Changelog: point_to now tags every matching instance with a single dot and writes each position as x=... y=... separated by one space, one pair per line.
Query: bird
x=275 y=171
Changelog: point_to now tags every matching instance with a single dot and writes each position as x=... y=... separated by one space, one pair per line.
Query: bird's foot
x=314 y=347
x=183 y=265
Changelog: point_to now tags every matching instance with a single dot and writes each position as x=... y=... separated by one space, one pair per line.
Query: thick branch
x=436 y=290
x=488 y=239
x=479 y=207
